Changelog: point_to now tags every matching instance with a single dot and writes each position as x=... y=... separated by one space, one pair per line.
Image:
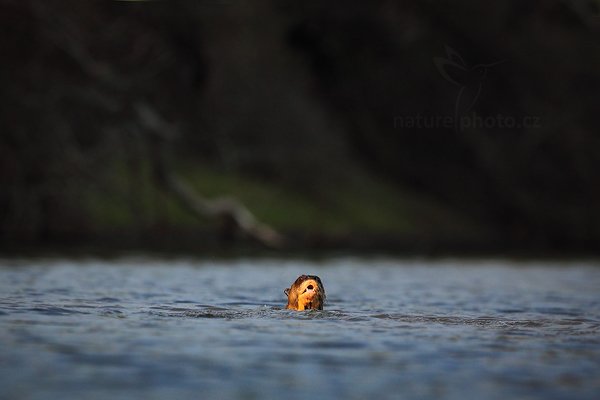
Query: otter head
x=306 y=293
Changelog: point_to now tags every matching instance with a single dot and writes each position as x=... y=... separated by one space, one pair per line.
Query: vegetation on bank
x=366 y=205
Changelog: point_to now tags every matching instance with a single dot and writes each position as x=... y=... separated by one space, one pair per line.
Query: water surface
x=417 y=329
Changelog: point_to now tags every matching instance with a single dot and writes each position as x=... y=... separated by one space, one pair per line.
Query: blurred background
x=396 y=125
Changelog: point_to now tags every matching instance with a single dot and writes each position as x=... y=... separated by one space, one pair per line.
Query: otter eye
x=287 y=292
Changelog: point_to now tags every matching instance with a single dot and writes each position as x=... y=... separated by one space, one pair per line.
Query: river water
x=149 y=328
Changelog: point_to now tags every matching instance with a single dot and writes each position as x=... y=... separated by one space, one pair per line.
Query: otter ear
x=287 y=292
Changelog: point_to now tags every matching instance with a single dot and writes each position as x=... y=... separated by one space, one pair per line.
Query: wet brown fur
x=301 y=298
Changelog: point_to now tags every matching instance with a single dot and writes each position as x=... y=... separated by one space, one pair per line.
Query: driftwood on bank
x=232 y=214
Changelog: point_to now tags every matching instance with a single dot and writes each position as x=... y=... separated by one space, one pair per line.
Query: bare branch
x=233 y=214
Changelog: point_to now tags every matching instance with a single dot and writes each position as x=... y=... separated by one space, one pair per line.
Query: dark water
x=155 y=329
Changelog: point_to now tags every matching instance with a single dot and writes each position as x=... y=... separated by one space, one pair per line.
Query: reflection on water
x=141 y=328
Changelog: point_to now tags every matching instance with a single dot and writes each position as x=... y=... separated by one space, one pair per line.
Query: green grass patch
x=130 y=200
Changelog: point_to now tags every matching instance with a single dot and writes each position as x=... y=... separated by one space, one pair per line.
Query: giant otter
x=306 y=293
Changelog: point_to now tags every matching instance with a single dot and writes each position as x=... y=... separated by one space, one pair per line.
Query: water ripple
x=416 y=330
x=54 y=310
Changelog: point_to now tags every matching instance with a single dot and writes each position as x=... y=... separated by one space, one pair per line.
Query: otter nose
x=310 y=287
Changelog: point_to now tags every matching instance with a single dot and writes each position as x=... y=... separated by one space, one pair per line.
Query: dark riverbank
x=398 y=126
x=207 y=245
